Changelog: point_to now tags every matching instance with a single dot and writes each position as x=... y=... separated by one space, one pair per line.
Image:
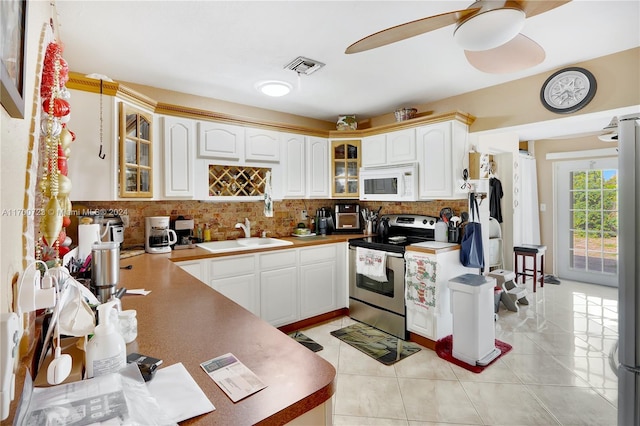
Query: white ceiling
x=221 y=49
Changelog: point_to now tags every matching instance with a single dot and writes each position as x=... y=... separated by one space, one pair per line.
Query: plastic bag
x=116 y=399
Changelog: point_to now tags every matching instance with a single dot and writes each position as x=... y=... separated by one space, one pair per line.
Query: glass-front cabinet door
x=135 y=153
x=345 y=164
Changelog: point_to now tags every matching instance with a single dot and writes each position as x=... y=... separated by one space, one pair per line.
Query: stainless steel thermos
x=105 y=269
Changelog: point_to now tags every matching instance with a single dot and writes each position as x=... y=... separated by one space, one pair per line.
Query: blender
x=158 y=236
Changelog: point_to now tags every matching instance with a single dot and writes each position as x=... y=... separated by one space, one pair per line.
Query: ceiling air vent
x=303 y=65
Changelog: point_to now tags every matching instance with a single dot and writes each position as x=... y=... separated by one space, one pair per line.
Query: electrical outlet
x=304 y=215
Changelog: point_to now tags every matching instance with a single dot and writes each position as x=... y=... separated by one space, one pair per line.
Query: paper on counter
x=178 y=394
x=232 y=376
x=140 y=291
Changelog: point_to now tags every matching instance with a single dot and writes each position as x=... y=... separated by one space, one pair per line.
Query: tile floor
x=557 y=373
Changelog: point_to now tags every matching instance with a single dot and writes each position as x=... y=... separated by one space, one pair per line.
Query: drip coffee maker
x=158 y=237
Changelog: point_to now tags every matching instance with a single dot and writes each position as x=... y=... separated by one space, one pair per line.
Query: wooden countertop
x=184 y=320
x=433 y=247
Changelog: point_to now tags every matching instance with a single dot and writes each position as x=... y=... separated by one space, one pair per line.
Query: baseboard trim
x=422 y=341
x=308 y=322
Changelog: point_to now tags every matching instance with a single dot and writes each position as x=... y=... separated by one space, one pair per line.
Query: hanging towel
x=371 y=263
x=421 y=288
x=268 y=203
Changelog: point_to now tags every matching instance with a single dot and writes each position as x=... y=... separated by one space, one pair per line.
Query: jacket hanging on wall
x=495 y=197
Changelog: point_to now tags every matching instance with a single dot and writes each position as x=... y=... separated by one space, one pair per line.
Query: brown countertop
x=200 y=253
x=183 y=320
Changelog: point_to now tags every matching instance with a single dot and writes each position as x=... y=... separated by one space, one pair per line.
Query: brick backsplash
x=222 y=217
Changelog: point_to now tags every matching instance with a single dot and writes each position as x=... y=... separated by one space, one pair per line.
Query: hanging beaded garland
x=55 y=186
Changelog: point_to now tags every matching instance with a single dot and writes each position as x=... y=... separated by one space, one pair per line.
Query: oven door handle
x=389 y=254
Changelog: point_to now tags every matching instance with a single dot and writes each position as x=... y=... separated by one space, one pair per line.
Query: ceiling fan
x=488 y=31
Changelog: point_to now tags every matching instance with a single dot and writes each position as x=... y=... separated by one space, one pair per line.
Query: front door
x=587 y=220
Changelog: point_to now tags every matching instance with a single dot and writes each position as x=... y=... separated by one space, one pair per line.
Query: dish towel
x=371 y=263
x=421 y=286
x=268 y=203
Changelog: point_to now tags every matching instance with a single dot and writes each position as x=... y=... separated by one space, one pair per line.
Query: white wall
x=16 y=142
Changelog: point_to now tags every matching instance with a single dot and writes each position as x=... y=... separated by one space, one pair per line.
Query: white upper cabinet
x=262 y=145
x=294 y=170
x=305 y=165
x=178 y=135
x=374 y=150
x=317 y=176
x=441 y=156
x=93 y=161
x=401 y=146
x=390 y=148
x=237 y=143
x=218 y=140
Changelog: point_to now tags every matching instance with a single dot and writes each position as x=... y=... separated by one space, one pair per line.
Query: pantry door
x=587 y=220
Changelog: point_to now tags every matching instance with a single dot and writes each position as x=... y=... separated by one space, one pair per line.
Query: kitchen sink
x=242 y=244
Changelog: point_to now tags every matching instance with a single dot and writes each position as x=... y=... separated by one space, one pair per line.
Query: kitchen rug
x=377 y=344
x=306 y=341
x=444 y=347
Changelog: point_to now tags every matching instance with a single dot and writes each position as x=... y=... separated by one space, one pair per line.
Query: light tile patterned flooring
x=556 y=374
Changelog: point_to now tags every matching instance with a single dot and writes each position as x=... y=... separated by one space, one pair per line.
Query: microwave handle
x=389 y=254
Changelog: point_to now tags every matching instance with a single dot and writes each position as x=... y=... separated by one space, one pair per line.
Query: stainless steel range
x=379 y=302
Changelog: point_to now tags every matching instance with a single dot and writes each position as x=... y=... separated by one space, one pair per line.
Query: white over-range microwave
x=389 y=183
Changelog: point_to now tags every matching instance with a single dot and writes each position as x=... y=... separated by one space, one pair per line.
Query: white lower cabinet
x=280 y=286
x=428 y=301
x=236 y=278
x=317 y=288
x=318 y=279
x=279 y=296
x=197 y=268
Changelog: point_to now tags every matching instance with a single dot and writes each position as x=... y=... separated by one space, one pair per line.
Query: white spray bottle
x=106 y=352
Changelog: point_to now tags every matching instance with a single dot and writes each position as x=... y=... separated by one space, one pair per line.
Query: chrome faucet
x=246 y=227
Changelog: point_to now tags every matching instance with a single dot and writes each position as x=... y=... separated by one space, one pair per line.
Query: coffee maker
x=158 y=236
x=184 y=232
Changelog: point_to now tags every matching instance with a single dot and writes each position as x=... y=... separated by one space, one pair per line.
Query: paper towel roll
x=87 y=235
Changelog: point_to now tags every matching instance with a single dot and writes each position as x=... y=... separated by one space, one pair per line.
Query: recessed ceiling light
x=275 y=88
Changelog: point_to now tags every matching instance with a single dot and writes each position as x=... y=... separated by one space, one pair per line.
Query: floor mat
x=444 y=347
x=306 y=341
x=377 y=344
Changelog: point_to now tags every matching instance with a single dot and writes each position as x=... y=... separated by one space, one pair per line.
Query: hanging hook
x=101 y=154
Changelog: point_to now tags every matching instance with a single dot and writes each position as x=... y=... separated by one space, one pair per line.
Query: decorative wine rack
x=234 y=181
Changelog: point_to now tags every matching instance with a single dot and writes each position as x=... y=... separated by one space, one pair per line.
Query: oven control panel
x=412 y=221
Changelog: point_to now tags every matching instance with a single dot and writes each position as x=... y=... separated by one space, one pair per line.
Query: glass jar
x=128 y=325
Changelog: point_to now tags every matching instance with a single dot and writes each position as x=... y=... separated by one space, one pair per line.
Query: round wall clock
x=568 y=90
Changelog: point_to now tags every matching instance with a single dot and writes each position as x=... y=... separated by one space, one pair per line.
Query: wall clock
x=568 y=90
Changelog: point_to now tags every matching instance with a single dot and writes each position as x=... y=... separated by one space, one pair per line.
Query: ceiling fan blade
x=536 y=7
x=408 y=30
x=517 y=54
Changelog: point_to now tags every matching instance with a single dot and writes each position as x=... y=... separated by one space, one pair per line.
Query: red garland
x=48 y=71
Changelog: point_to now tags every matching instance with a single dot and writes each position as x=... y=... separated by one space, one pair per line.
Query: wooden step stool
x=529 y=250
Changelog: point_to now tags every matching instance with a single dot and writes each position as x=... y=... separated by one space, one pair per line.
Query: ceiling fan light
x=275 y=88
x=489 y=29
